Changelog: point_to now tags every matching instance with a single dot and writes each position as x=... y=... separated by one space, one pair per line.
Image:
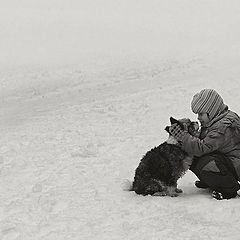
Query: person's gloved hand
x=176 y=131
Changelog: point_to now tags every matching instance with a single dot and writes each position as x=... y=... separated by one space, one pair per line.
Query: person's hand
x=176 y=131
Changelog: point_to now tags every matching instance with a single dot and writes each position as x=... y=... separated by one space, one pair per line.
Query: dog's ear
x=167 y=129
x=173 y=120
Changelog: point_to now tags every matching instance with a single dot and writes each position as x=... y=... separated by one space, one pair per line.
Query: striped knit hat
x=208 y=101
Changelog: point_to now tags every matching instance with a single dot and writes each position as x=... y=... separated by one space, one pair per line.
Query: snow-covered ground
x=86 y=90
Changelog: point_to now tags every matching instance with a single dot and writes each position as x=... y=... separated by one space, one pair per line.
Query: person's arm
x=193 y=145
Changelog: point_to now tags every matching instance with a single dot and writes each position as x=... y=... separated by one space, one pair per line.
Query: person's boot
x=201 y=184
x=219 y=196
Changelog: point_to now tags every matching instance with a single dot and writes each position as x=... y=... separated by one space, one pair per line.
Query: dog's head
x=186 y=124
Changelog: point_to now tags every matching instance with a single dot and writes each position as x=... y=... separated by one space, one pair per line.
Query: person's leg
x=221 y=177
x=227 y=185
x=196 y=168
x=213 y=172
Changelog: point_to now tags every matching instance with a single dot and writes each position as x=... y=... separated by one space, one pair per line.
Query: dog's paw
x=160 y=194
x=178 y=190
x=127 y=185
x=173 y=195
x=172 y=191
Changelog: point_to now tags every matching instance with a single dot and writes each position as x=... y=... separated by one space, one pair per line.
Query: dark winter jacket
x=221 y=135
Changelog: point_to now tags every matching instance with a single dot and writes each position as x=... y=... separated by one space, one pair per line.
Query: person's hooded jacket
x=221 y=135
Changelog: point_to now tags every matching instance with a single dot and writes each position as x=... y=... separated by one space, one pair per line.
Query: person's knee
x=223 y=182
x=211 y=167
x=199 y=163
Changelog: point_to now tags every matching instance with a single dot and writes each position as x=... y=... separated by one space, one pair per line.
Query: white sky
x=57 y=31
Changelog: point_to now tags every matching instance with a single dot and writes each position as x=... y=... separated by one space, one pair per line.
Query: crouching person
x=217 y=150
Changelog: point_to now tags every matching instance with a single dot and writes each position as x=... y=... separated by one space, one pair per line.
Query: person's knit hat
x=208 y=101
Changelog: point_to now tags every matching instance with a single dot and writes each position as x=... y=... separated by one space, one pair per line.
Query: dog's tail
x=127 y=185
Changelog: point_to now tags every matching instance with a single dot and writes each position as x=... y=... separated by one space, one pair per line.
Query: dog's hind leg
x=160 y=194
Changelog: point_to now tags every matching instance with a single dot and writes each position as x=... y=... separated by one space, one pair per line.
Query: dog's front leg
x=172 y=191
x=178 y=190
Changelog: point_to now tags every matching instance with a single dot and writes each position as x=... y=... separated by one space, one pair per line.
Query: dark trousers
x=224 y=180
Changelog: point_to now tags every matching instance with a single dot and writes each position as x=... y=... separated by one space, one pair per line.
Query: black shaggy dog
x=162 y=166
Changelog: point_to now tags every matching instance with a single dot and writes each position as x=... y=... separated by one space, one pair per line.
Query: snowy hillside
x=86 y=90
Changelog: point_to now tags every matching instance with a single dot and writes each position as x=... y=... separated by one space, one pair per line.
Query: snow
x=86 y=89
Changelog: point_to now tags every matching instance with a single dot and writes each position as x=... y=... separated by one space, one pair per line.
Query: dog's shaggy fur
x=162 y=166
